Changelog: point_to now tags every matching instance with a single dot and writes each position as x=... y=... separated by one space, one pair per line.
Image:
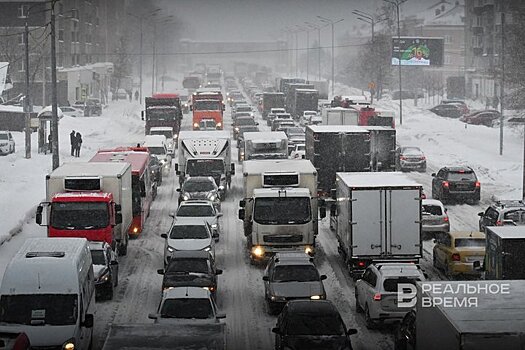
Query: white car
x=157 y=146
x=167 y=131
x=200 y=209
x=299 y=152
x=71 y=111
x=7 y=142
x=188 y=234
x=307 y=115
x=183 y=305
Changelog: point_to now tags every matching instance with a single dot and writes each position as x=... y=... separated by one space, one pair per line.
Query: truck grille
x=283 y=238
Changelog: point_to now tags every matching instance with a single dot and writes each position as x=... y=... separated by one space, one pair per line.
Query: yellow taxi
x=455 y=252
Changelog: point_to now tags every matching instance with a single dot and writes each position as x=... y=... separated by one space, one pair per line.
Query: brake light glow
x=403 y=158
x=445 y=184
x=445 y=219
x=361 y=264
x=377 y=296
x=456 y=257
x=478 y=184
x=423 y=157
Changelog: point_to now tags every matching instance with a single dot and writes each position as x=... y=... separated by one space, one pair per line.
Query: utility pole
x=332 y=23
x=54 y=118
x=154 y=58
x=28 y=105
x=318 y=28
x=296 y=54
x=140 y=61
x=307 y=54
x=502 y=87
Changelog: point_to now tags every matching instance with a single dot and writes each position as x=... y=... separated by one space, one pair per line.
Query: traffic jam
x=257 y=214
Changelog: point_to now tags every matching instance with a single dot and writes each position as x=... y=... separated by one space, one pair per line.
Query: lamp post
x=314 y=26
x=332 y=23
x=154 y=63
x=304 y=29
x=397 y=3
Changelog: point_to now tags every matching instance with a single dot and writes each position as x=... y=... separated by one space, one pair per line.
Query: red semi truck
x=207 y=104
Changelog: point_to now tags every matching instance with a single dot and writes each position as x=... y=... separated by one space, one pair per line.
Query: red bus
x=141 y=196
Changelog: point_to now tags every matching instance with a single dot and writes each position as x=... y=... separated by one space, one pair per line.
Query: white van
x=157 y=146
x=48 y=292
x=171 y=137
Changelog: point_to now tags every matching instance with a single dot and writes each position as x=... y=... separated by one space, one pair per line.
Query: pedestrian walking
x=73 y=139
x=136 y=95
x=49 y=142
x=78 y=144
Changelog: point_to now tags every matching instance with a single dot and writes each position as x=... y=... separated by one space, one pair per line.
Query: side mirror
x=322 y=212
x=113 y=262
x=118 y=207
x=242 y=213
x=172 y=215
x=215 y=235
x=152 y=316
x=276 y=330
x=266 y=278
x=177 y=168
x=433 y=175
x=218 y=271
x=160 y=271
x=232 y=165
x=481 y=213
x=256 y=123
x=142 y=115
x=178 y=190
x=118 y=218
x=38 y=218
x=322 y=277
x=164 y=235
x=219 y=215
x=351 y=331
x=242 y=203
x=88 y=321
x=221 y=188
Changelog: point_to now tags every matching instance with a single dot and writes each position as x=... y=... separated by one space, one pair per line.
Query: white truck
x=497 y=321
x=90 y=200
x=340 y=116
x=378 y=218
x=205 y=153
x=279 y=206
x=265 y=145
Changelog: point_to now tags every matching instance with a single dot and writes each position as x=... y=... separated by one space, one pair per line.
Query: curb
x=18 y=228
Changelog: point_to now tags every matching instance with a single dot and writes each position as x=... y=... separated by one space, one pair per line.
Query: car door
x=490 y=218
x=443 y=250
x=368 y=287
x=436 y=183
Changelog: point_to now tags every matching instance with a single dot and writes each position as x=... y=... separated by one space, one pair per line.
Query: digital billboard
x=417 y=51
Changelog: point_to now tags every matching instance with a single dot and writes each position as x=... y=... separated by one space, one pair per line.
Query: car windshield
x=411 y=151
x=245 y=121
x=98 y=257
x=195 y=210
x=243 y=109
x=207 y=124
x=187 y=308
x=189 y=232
x=39 y=309
x=461 y=176
x=157 y=150
x=188 y=265
x=432 y=209
x=295 y=273
x=201 y=167
x=282 y=210
x=198 y=186
x=313 y=324
x=300 y=148
x=79 y=215
x=167 y=133
x=207 y=105
x=469 y=242
x=518 y=216
x=391 y=284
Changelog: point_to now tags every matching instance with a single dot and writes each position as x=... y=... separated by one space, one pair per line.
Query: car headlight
x=236 y=129
x=317 y=297
x=207 y=249
x=104 y=277
x=69 y=344
x=212 y=197
x=196 y=125
x=219 y=125
x=185 y=197
x=277 y=298
x=258 y=251
x=214 y=226
x=309 y=250
x=170 y=249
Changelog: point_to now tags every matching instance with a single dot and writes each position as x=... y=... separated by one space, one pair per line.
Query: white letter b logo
x=406 y=294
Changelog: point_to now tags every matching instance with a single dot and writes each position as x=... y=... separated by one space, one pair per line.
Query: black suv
x=191 y=269
x=456 y=183
x=503 y=213
x=311 y=324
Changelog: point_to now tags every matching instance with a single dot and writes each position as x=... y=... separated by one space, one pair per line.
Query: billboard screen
x=417 y=51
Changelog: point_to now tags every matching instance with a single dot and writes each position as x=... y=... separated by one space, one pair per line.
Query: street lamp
x=141 y=19
x=154 y=63
x=299 y=30
x=397 y=3
x=332 y=23
x=289 y=33
x=314 y=26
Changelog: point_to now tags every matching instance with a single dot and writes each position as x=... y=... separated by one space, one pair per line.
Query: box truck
x=265 y=145
x=504 y=253
x=378 y=218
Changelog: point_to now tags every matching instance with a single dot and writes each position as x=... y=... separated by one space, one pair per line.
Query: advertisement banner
x=417 y=51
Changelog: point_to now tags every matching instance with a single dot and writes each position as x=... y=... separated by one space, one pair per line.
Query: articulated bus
x=141 y=184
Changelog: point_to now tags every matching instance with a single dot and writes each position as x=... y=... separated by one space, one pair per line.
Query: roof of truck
x=81 y=196
x=379 y=179
x=138 y=157
x=494 y=312
x=76 y=169
x=337 y=128
x=265 y=136
x=278 y=165
x=508 y=232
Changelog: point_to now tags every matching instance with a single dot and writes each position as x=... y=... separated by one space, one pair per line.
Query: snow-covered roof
x=509 y=232
x=376 y=180
x=275 y=166
x=90 y=169
x=337 y=128
x=265 y=136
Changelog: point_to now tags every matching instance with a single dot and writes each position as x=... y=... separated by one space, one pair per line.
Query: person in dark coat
x=73 y=139
x=78 y=143
x=137 y=95
x=50 y=142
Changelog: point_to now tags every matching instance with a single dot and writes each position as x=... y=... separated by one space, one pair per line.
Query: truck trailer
x=271 y=100
x=279 y=206
x=378 y=218
x=504 y=253
x=89 y=200
x=304 y=100
x=265 y=145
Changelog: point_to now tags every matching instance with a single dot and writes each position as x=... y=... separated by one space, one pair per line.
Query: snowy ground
x=240 y=294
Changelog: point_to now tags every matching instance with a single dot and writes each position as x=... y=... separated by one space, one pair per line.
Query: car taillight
x=361 y=264
x=445 y=219
x=456 y=257
x=377 y=296
x=423 y=157
x=499 y=223
x=478 y=184
x=445 y=184
x=403 y=158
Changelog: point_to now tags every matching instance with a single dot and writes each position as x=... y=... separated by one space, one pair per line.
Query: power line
x=22 y=32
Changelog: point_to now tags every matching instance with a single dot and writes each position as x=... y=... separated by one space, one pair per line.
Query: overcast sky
x=234 y=20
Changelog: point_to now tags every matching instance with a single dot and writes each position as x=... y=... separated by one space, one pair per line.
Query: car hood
x=319 y=342
x=189 y=244
x=297 y=289
x=200 y=195
x=46 y=335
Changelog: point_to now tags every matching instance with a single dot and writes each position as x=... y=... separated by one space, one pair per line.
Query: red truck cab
x=207 y=104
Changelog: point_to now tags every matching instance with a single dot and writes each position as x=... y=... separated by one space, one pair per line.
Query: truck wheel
x=370 y=324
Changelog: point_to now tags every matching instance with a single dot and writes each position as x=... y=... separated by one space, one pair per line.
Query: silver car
x=200 y=209
x=201 y=188
x=291 y=275
x=435 y=217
